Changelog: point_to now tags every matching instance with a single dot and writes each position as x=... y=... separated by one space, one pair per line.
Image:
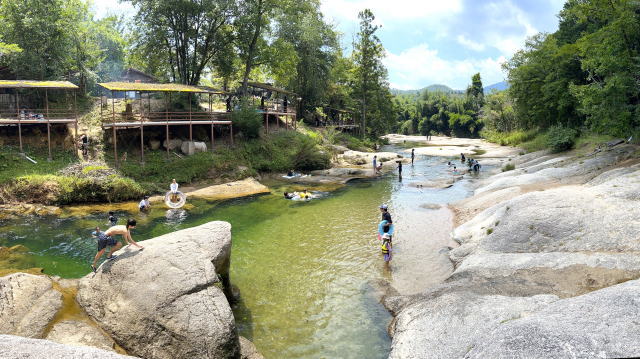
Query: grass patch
x=538 y=143
x=12 y=165
x=512 y=138
x=508 y=167
x=489 y=231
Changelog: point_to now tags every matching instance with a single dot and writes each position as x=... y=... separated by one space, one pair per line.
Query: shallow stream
x=304 y=270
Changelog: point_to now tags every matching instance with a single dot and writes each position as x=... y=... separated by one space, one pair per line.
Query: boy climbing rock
x=107 y=239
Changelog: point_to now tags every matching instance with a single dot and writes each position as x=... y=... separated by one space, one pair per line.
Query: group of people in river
x=107 y=238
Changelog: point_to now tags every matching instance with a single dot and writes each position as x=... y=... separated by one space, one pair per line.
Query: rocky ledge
x=167 y=301
x=547 y=266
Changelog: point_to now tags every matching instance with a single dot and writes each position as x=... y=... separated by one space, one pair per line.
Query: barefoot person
x=104 y=241
x=107 y=239
x=144 y=205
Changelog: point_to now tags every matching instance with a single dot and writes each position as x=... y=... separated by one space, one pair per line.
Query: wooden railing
x=37 y=114
x=165 y=116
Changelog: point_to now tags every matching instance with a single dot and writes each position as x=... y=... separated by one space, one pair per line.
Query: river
x=303 y=269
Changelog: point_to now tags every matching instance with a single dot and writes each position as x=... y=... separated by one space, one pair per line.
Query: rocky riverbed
x=547 y=266
x=167 y=301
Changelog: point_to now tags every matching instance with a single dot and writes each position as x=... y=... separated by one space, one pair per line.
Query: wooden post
x=75 y=117
x=141 y=129
x=19 y=119
x=167 y=119
x=46 y=107
x=190 y=124
x=113 y=120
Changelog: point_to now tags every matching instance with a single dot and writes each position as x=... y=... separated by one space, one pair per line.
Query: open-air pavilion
x=275 y=102
x=142 y=115
x=22 y=113
x=341 y=119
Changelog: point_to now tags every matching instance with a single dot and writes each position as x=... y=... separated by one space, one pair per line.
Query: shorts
x=105 y=241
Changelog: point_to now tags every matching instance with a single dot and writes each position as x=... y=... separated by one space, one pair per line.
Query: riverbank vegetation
x=576 y=85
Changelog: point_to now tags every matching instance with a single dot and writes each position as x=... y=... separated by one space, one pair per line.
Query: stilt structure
x=276 y=102
x=124 y=120
x=24 y=113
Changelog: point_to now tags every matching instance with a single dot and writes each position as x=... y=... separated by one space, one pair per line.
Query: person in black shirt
x=113 y=220
x=386 y=216
x=413 y=155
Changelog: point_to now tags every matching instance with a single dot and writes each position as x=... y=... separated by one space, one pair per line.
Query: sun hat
x=383 y=206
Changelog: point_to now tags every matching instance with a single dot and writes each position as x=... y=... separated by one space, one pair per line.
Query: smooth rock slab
x=163 y=302
x=25 y=348
x=27 y=304
x=446 y=326
x=73 y=332
x=600 y=324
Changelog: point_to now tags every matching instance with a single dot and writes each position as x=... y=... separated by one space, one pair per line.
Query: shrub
x=561 y=138
x=247 y=120
x=509 y=167
x=407 y=127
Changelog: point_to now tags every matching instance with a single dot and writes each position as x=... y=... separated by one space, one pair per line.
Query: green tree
x=181 y=37
x=371 y=86
x=475 y=92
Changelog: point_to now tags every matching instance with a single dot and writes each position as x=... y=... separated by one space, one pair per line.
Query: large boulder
x=446 y=326
x=28 y=303
x=165 y=301
x=25 y=348
x=601 y=324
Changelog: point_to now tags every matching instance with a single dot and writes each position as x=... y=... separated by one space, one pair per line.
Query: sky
x=434 y=41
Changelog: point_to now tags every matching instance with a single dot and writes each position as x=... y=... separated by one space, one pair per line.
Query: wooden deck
x=165 y=123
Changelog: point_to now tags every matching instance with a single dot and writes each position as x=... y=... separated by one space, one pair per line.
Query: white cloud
x=387 y=10
x=476 y=46
x=507 y=28
x=420 y=66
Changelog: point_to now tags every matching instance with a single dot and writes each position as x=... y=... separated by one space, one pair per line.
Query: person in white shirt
x=174 y=189
x=144 y=205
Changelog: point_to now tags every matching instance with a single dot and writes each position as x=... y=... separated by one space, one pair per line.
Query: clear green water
x=303 y=269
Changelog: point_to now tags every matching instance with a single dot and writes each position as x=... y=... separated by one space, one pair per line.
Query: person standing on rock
x=375 y=165
x=104 y=241
x=413 y=155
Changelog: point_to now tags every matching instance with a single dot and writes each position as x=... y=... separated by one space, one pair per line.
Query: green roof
x=12 y=84
x=269 y=87
x=153 y=87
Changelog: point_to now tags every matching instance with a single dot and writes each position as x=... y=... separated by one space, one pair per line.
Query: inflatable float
x=381 y=229
x=168 y=200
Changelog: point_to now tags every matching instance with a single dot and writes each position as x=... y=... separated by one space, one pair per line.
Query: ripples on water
x=303 y=269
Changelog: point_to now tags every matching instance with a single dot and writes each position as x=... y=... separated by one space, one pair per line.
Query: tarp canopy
x=15 y=84
x=268 y=87
x=150 y=87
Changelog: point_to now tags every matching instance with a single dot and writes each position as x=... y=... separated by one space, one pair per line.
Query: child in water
x=386 y=247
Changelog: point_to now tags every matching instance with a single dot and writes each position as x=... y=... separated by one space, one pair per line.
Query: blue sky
x=435 y=41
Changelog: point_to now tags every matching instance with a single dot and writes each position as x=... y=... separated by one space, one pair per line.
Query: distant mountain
x=430 y=88
x=500 y=86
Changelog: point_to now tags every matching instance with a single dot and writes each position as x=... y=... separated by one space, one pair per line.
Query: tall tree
x=475 y=92
x=371 y=84
x=186 y=34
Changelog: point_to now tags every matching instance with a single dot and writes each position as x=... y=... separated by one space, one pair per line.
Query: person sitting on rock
x=104 y=241
x=144 y=205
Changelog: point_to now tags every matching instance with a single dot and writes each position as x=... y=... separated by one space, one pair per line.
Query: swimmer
x=290 y=173
x=113 y=220
x=288 y=195
x=462 y=158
